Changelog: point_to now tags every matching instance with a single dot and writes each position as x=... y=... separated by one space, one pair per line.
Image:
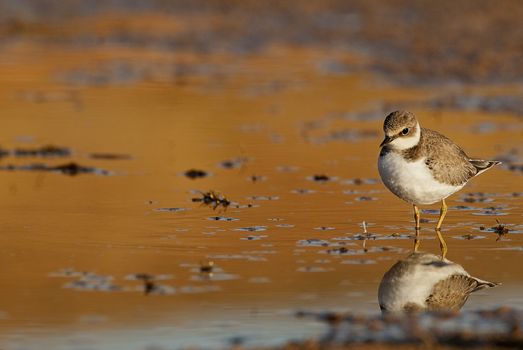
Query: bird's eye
x=405 y=131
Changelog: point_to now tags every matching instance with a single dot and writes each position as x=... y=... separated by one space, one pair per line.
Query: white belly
x=412 y=181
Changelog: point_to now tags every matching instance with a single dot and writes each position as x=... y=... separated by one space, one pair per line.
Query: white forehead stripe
x=406 y=142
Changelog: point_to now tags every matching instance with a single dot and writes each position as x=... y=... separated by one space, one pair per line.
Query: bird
x=422 y=166
x=424 y=282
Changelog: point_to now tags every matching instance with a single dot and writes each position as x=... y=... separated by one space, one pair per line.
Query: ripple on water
x=264 y=198
x=253 y=237
x=313 y=242
x=171 y=210
x=237 y=257
x=492 y=211
x=221 y=218
x=284 y=225
x=469 y=237
x=218 y=276
x=322 y=178
x=302 y=191
x=358 y=181
x=259 y=280
x=251 y=228
x=314 y=269
x=359 y=262
x=324 y=228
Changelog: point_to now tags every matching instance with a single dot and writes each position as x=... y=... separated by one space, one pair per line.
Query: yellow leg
x=442 y=243
x=416 y=218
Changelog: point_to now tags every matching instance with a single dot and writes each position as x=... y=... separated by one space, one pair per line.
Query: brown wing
x=446 y=160
x=452 y=292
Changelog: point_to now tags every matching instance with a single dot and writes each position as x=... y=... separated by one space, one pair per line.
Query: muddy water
x=277 y=137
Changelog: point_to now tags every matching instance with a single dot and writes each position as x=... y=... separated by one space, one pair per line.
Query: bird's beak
x=386 y=140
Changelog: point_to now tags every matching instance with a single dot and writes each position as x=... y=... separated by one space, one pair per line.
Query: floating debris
x=70 y=169
x=342 y=251
x=321 y=178
x=476 y=197
x=358 y=181
x=469 y=237
x=207 y=266
x=149 y=284
x=233 y=163
x=221 y=218
x=251 y=228
x=500 y=229
x=244 y=206
x=257 y=178
x=195 y=174
x=464 y=208
x=324 y=228
x=365 y=199
x=313 y=242
x=212 y=199
x=109 y=156
x=362 y=237
x=397 y=235
x=253 y=237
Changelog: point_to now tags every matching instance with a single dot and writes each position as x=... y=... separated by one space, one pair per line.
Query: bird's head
x=402 y=130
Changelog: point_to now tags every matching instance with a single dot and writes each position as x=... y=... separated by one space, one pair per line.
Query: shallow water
x=281 y=140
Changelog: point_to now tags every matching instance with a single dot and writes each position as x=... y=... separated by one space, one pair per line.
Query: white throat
x=402 y=143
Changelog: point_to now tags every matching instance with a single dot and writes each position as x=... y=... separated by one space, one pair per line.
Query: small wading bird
x=423 y=281
x=421 y=166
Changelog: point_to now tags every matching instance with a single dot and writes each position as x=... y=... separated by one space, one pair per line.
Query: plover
x=422 y=166
x=423 y=281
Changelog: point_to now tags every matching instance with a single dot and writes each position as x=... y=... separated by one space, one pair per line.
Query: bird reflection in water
x=423 y=281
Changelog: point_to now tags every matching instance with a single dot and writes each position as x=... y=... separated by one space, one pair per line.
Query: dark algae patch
x=195 y=174
x=71 y=169
x=44 y=152
x=110 y=156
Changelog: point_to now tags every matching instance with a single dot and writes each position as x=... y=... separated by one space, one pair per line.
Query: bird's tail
x=482 y=284
x=483 y=165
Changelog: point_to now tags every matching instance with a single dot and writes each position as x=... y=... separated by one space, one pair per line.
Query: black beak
x=386 y=140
